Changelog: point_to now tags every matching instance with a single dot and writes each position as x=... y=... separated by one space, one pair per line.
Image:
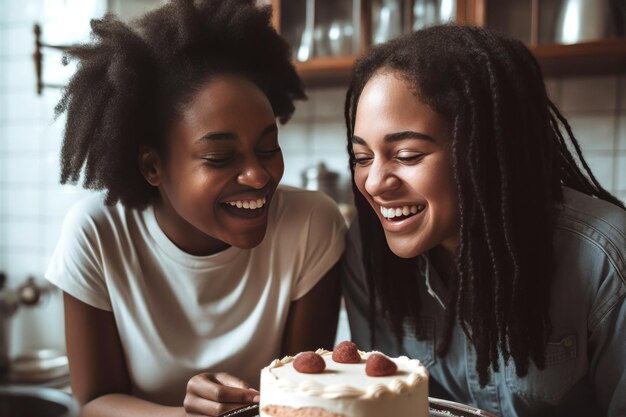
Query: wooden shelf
x=581 y=59
x=320 y=71
x=603 y=57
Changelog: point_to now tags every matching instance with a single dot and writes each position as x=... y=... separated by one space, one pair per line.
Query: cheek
x=199 y=182
x=277 y=168
x=438 y=179
x=445 y=196
x=273 y=168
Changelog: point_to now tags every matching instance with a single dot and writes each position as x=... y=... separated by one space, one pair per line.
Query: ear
x=150 y=165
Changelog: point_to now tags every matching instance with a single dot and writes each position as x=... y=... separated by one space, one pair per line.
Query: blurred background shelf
x=586 y=58
x=568 y=37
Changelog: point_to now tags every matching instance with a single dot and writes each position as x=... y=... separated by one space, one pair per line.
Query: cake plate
x=437 y=407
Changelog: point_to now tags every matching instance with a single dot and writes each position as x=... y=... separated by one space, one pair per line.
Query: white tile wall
x=130 y=9
x=32 y=204
x=603 y=166
x=589 y=94
x=594 y=132
x=621 y=125
x=596 y=108
x=620 y=180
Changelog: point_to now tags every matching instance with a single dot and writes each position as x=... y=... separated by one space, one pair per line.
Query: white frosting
x=344 y=388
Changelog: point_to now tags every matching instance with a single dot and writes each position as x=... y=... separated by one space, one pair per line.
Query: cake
x=340 y=389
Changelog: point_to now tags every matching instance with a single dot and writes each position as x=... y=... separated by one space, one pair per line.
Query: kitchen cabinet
x=326 y=36
x=568 y=37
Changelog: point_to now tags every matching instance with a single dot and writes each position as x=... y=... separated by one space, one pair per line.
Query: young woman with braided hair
x=484 y=245
x=193 y=269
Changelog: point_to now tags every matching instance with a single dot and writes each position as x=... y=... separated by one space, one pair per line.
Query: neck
x=183 y=234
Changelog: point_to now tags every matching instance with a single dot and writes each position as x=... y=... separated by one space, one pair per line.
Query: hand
x=214 y=394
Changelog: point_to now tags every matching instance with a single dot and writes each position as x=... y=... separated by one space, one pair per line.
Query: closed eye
x=218 y=160
x=268 y=153
x=409 y=157
x=362 y=160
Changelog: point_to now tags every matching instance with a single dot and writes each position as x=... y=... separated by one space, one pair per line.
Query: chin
x=404 y=249
x=406 y=254
x=249 y=242
x=403 y=252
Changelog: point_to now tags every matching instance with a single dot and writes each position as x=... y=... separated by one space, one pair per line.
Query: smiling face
x=220 y=168
x=403 y=167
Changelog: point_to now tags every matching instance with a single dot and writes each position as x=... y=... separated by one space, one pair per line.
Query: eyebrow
x=396 y=137
x=218 y=136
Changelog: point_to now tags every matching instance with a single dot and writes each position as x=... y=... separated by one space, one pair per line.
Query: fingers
x=228 y=380
x=202 y=407
x=224 y=388
x=214 y=394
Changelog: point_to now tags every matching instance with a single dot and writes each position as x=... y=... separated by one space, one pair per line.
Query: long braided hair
x=133 y=82
x=510 y=159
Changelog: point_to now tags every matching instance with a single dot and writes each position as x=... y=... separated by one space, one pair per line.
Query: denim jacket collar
x=434 y=285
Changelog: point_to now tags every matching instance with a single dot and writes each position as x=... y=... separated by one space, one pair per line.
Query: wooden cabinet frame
x=589 y=58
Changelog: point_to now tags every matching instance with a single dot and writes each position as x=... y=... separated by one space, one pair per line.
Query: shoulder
x=299 y=204
x=590 y=251
x=87 y=209
x=596 y=221
x=92 y=213
x=592 y=210
x=299 y=196
x=310 y=219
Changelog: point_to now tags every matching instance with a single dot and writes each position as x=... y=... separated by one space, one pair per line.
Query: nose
x=253 y=174
x=381 y=179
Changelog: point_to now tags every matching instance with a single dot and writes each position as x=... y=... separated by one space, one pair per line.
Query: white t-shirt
x=179 y=314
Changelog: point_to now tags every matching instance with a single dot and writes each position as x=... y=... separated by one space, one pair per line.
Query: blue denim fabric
x=585 y=372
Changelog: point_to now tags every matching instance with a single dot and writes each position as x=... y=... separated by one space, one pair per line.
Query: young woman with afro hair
x=484 y=245
x=191 y=269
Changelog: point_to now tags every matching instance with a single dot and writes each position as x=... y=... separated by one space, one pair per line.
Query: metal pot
x=584 y=20
x=25 y=401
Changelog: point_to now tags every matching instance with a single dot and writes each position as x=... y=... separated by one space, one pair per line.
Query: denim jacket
x=585 y=373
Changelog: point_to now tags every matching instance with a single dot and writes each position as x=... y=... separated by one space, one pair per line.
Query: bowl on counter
x=38 y=366
x=30 y=401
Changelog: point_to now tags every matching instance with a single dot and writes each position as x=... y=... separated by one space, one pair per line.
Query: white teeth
x=248 y=204
x=390 y=213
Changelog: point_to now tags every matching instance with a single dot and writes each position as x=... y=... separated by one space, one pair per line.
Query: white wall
x=31 y=201
x=130 y=9
x=32 y=204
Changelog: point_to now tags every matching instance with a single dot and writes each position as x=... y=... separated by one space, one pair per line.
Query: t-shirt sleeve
x=324 y=241
x=76 y=266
